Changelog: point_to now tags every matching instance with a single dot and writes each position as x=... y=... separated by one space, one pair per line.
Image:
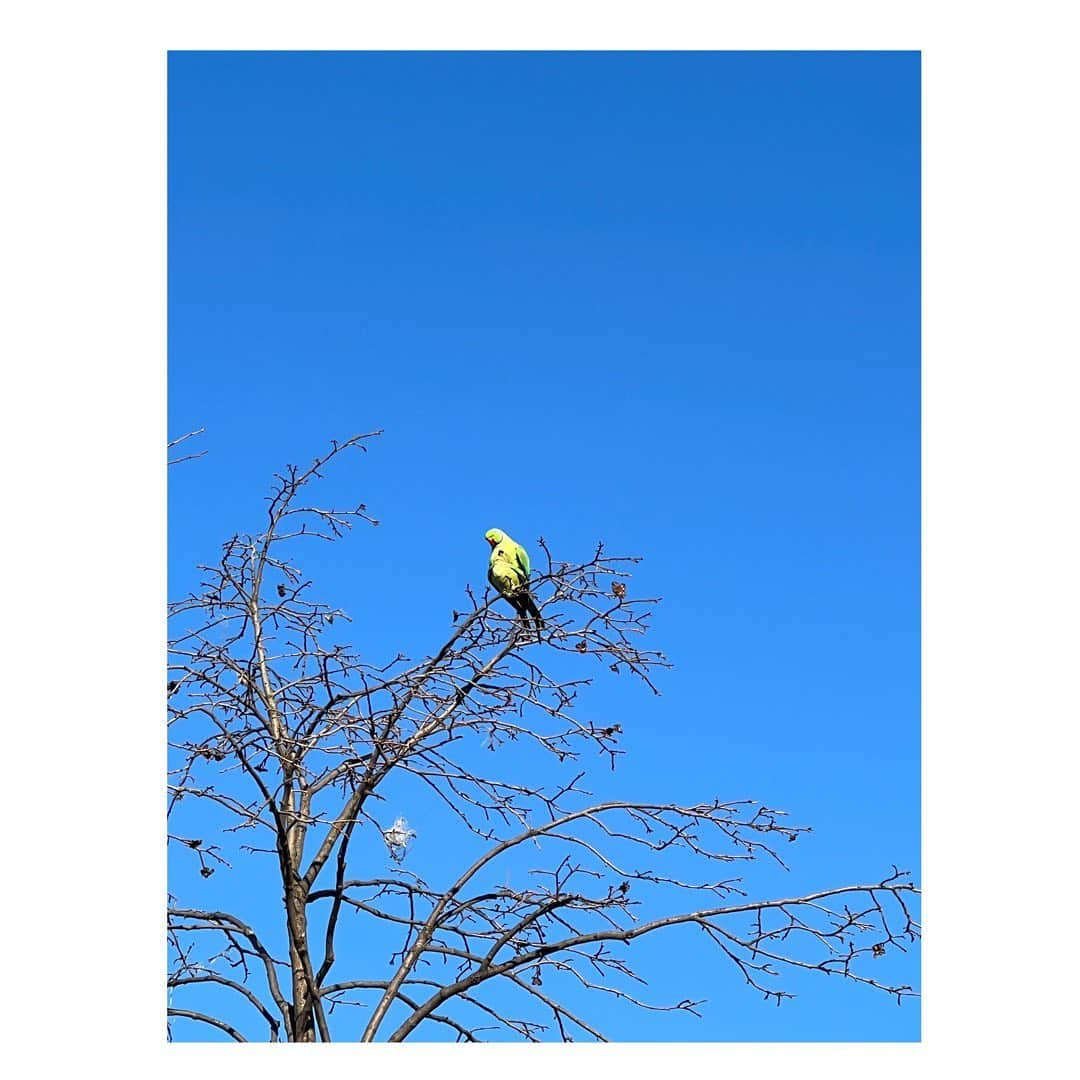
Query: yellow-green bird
x=508 y=572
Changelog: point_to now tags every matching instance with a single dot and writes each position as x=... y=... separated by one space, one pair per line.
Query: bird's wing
x=522 y=559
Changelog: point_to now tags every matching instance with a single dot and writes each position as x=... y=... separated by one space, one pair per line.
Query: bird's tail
x=533 y=610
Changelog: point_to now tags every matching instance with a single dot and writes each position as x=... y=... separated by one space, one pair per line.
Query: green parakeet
x=508 y=572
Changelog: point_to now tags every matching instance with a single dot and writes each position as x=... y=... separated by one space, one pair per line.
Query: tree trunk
x=303 y=1010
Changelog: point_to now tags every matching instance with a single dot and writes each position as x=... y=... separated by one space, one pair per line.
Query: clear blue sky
x=666 y=300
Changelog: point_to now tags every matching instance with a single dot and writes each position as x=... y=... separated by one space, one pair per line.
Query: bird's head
x=494 y=536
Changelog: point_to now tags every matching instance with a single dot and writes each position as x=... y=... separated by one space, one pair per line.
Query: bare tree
x=292 y=740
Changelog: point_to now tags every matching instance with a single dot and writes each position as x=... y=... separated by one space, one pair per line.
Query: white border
x=84 y=584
